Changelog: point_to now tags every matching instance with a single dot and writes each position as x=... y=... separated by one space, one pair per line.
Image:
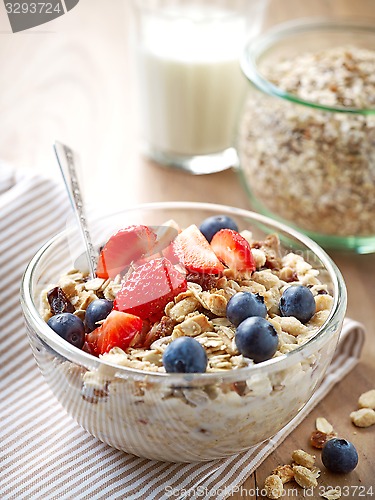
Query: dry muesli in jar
x=310 y=158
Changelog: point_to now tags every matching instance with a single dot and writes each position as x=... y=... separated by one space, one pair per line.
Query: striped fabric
x=44 y=454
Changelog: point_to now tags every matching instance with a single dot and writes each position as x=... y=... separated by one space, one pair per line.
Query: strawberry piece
x=170 y=254
x=193 y=251
x=234 y=251
x=166 y=234
x=118 y=330
x=149 y=289
x=122 y=248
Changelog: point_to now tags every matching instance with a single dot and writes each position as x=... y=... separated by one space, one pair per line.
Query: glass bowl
x=180 y=417
x=304 y=162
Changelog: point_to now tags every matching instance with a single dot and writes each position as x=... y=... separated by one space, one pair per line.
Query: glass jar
x=307 y=136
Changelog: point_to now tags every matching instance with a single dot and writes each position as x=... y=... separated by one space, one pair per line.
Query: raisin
x=293 y=277
x=240 y=387
x=95 y=395
x=59 y=302
x=163 y=328
x=271 y=247
x=206 y=281
x=318 y=439
x=272 y=263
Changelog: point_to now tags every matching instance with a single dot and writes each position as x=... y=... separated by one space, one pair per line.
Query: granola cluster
x=302 y=470
x=201 y=313
x=315 y=168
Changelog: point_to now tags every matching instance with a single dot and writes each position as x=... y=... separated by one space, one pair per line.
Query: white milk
x=191 y=85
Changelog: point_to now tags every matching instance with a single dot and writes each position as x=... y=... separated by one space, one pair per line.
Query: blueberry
x=339 y=455
x=298 y=301
x=185 y=355
x=257 y=339
x=212 y=225
x=96 y=311
x=69 y=327
x=244 y=305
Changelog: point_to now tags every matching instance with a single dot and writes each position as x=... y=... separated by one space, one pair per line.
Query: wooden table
x=72 y=79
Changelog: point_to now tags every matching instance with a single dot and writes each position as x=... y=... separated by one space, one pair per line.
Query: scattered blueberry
x=212 y=225
x=96 y=311
x=244 y=305
x=69 y=327
x=298 y=301
x=339 y=455
x=185 y=355
x=257 y=339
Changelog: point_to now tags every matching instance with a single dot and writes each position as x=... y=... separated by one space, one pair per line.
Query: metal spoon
x=67 y=160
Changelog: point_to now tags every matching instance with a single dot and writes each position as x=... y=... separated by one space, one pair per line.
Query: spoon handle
x=67 y=160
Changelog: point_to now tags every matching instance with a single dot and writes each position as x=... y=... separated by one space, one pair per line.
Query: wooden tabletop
x=73 y=80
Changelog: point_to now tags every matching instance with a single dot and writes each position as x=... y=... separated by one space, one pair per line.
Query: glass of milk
x=190 y=84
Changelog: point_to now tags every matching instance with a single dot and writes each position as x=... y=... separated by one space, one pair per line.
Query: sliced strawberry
x=170 y=254
x=234 y=251
x=166 y=233
x=118 y=330
x=149 y=289
x=145 y=259
x=125 y=246
x=194 y=252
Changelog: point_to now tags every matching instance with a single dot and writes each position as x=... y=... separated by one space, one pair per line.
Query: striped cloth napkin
x=44 y=454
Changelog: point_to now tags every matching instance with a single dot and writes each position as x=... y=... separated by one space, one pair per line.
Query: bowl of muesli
x=203 y=332
x=312 y=88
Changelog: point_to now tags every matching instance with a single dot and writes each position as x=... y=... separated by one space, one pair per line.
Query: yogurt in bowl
x=127 y=395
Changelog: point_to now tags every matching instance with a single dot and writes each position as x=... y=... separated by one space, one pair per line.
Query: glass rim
x=75 y=355
x=258 y=46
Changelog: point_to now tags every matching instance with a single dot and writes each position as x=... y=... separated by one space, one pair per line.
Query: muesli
x=145 y=320
x=200 y=310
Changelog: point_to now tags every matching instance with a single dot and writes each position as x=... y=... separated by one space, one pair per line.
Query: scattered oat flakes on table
x=332 y=493
x=305 y=477
x=303 y=458
x=323 y=425
x=367 y=399
x=364 y=417
x=273 y=486
x=285 y=473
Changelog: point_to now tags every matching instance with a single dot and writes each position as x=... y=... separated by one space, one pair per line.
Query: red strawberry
x=125 y=246
x=118 y=330
x=192 y=249
x=149 y=289
x=234 y=251
x=166 y=234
